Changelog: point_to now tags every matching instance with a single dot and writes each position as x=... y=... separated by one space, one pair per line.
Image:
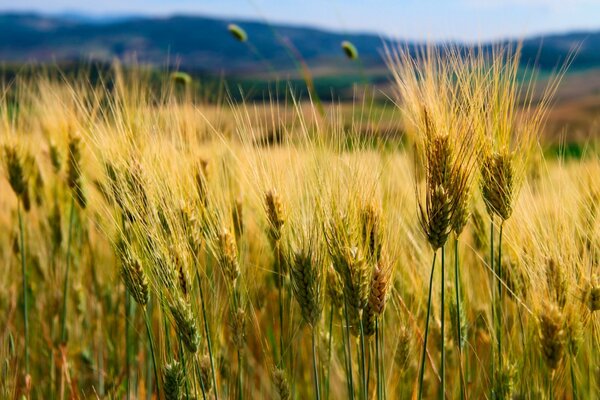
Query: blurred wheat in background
x=156 y=245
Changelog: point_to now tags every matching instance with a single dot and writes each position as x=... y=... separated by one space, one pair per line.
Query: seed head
x=174 y=380
x=237 y=32
x=15 y=170
x=134 y=277
x=185 y=324
x=552 y=335
x=181 y=78
x=335 y=289
x=228 y=256
x=381 y=281
x=55 y=157
x=74 y=180
x=349 y=50
x=461 y=213
x=238 y=328
x=282 y=387
x=275 y=215
x=504 y=382
x=371 y=231
x=306 y=277
x=205 y=373
x=557 y=282
x=201 y=178
x=435 y=218
x=403 y=351
x=237 y=215
x=459 y=324
x=497 y=184
x=592 y=293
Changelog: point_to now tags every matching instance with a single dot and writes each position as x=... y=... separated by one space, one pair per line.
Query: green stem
x=443 y=344
x=152 y=351
x=182 y=356
x=500 y=297
x=493 y=299
x=377 y=370
x=208 y=339
x=573 y=379
x=24 y=272
x=280 y=295
x=329 y=352
x=458 y=327
x=240 y=380
x=128 y=340
x=382 y=357
x=63 y=318
x=349 y=349
x=199 y=377
x=365 y=381
x=315 y=373
x=424 y=352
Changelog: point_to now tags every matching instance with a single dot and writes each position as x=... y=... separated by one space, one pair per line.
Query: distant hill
x=203 y=44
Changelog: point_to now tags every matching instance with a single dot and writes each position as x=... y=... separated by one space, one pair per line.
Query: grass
x=250 y=251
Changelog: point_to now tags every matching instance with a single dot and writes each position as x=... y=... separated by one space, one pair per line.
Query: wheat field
x=157 y=246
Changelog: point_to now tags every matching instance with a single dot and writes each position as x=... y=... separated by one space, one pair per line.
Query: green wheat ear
x=237 y=32
x=349 y=50
x=181 y=78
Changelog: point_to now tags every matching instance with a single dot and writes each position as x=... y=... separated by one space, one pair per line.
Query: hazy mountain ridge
x=203 y=43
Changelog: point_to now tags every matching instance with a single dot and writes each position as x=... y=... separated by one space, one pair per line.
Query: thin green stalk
x=197 y=370
x=500 y=297
x=572 y=371
x=208 y=339
x=458 y=327
x=424 y=352
x=240 y=379
x=152 y=350
x=493 y=377
x=365 y=381
x=280 y=295
x=63 y=318
x=315 y=373
x=24 y=272
x=329 y=352
x=377 y=369
x=182 y=356
x=351 y=379
x=128 y=340
x=443 y=344
x=382 y=356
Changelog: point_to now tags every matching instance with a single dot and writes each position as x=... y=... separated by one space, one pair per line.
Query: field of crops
x=155 y=246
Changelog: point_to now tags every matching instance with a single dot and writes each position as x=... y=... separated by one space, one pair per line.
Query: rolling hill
x=203 y=44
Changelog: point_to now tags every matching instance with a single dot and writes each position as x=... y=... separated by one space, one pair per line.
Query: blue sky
x=470 y=20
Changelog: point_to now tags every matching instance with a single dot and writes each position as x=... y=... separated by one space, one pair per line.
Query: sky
x=466 y=20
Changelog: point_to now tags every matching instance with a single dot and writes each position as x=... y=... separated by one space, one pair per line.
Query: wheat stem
x=365 y=381
x=208 y=339
x=493 y=271
x=424 y=352
x=443 y=305
x=152 y=349
x=327 y=380
x=280 y=296
x=458 y=327
x=500 y=296
x=572 y=372
x=349 y=350
x=63 y=334
x=377 y=366
x=24 y=272
x=314 y=358
x=182 y=356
